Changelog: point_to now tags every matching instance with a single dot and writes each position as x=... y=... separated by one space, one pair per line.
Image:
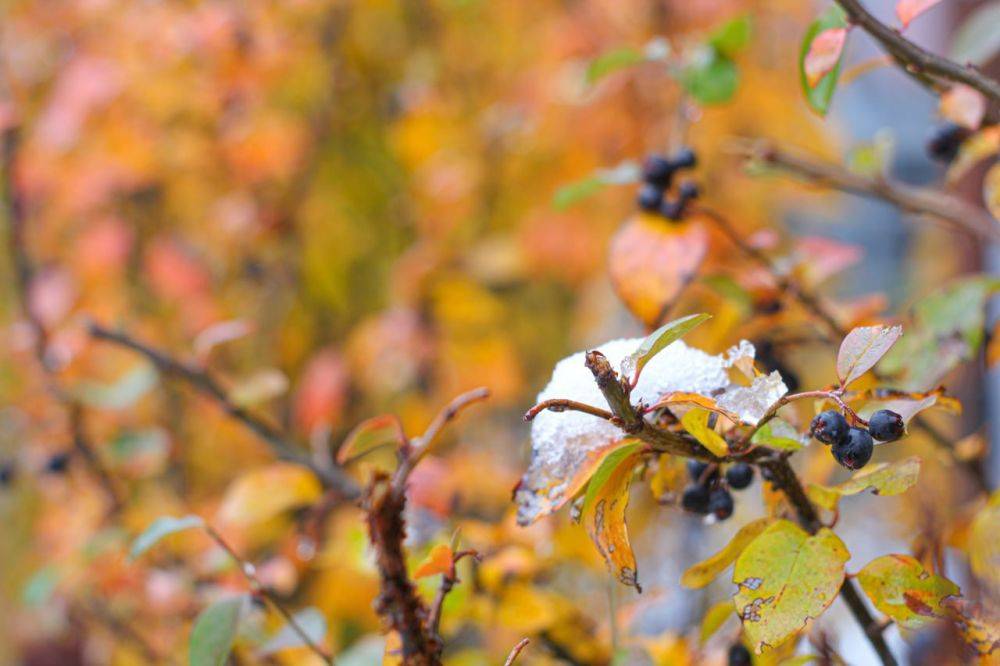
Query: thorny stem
x=782 y=474
x=250 y=573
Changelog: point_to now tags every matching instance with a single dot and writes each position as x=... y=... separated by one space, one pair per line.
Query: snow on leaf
x=704 y=572
x=656 y=341
x=695 y=422
x=604 y=512
x=907 y=10
x=899 y=586
x=824 y=54
x=750 y=403
x=862 y=349
x=786 y=577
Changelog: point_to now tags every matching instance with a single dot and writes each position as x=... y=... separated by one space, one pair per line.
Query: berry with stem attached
x=696 y=498
x=739 y=476
x=856 y=450
x=658 y=171
x=829 y=427
x=697 y=471
x=886 y=425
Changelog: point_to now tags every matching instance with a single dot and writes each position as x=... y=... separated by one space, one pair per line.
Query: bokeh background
x=344 y=209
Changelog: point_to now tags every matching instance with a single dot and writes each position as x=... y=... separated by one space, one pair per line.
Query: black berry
x=855 y=451
x=739 y=655
x=658 y=170
x=6 y=473
x=688 y=190
x=696 y=470
x=695 y=498
x=58 y=463
x=720 y=502
x=946 y=141
x=650 y=197
x=829 y=427
x=885 y=425
x=685 y=159
x=739 y=476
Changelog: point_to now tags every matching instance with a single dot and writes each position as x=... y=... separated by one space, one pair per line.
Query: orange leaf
x=907 y=10
x=824 y=52
x=651 y=261
x=438 y=561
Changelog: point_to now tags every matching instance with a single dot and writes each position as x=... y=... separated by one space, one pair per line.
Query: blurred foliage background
x=343 y=209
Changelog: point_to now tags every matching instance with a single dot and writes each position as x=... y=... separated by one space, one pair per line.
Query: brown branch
x=782 y=475
x=954 y=211
x=564 y=405
x=448 y=581
x=515 y=651
x=917 y=61
x=203 y=382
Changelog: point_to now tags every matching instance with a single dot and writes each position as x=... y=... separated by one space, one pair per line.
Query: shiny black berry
x=720 y=503
x=739 y=655
x=696 y=498
x=58 y=463
x=885 y=425
x=856 y=450
x=829 y=427
x=739 y=476
x=696 y=470
x=685 y=159
x=658 y=170
x=650 y=198
x=946 y=141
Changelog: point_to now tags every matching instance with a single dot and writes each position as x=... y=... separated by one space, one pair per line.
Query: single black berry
x=856 y=450
x=946 y=141
x=720 y=502
x=885 y=425
x=696 y=470
x=829 y=427
x=671 y=209
x=739 y=476
x=739 y=655
x=6 y=473
x=58 y=463
x=695 y=498
x=685 y=159
x=650 y=197
x=688 y=190
x=658 y=170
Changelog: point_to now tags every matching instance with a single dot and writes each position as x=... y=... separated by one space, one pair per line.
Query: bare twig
x=564 y=405
x=515 y=651
x=917 y=61
x=83 y=446
x=921 y=201
x=250 y=573
x=202 y=381
x=448 y=581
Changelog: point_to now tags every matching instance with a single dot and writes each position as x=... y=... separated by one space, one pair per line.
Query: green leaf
x=703 y=573
x=612 y=61
x=862 y=349
x=657 y=341
x=121 y=393
x=778 y=434
x=310 y=620
x=214 y=632
x=695 y=421
x=899 y=586
x=732 y=36
x=623 y=174
x=819 y=96
x=711 y=77
x=786 y=578
x=977 y=40
x=160 y=528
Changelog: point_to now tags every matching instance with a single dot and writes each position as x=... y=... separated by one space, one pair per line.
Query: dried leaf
x=703 y=573
x=824 y=54
x=371 y=434
x=786 y=578
x=604 y=512
x=907 y=10
x=899 y=586
x=982 y=633
x=652 y=260
x=695 y=422
x=438 y=561
x=656 y=341
x=862 y=349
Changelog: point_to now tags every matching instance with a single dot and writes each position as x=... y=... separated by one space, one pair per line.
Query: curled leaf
x=695 y=422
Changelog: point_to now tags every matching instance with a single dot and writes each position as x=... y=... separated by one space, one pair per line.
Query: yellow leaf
x=899 y=586
x=604 y=512
x=264 y=493
x=983 y=545
x=703 y=573
x=525 y=609
x=714 y=618
x=438 y=561
x=696 y=423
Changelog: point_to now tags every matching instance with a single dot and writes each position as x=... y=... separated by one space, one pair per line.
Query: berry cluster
x=946 y=141
x=658 y=175
x=708 y=492
x=851 y=446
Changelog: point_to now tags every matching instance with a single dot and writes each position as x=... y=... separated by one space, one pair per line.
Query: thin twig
x=921 y=201
x=202 y=381
x=564 y=405
x=250 y=573
x=83 y=446
x=516 y=650
x=448 y=581
x=772 y=411
x=917 y=61
x=422 y=444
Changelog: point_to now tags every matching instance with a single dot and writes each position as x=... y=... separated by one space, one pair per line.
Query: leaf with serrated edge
x=703 y=573
x=160 y=528
x=604 y=512
x=899 y=586
x=656 y=341
x=696 y=423
x=786 y=578
x=862 y=349
x=214 y=632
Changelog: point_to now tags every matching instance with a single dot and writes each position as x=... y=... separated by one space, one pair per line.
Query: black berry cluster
x=708 y=492
x=852 y=447
x=658 y=175
x=946 y=141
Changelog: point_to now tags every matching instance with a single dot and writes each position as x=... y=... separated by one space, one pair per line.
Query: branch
x=563 y=405
x=515 y=651
x=957 y=213
x=83 y=446
x=448 y=581
x=199 y=379
x=915 y=60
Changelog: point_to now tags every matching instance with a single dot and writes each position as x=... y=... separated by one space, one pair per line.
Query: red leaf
x=824 y=52
x=907 y=10
x=322 y=392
